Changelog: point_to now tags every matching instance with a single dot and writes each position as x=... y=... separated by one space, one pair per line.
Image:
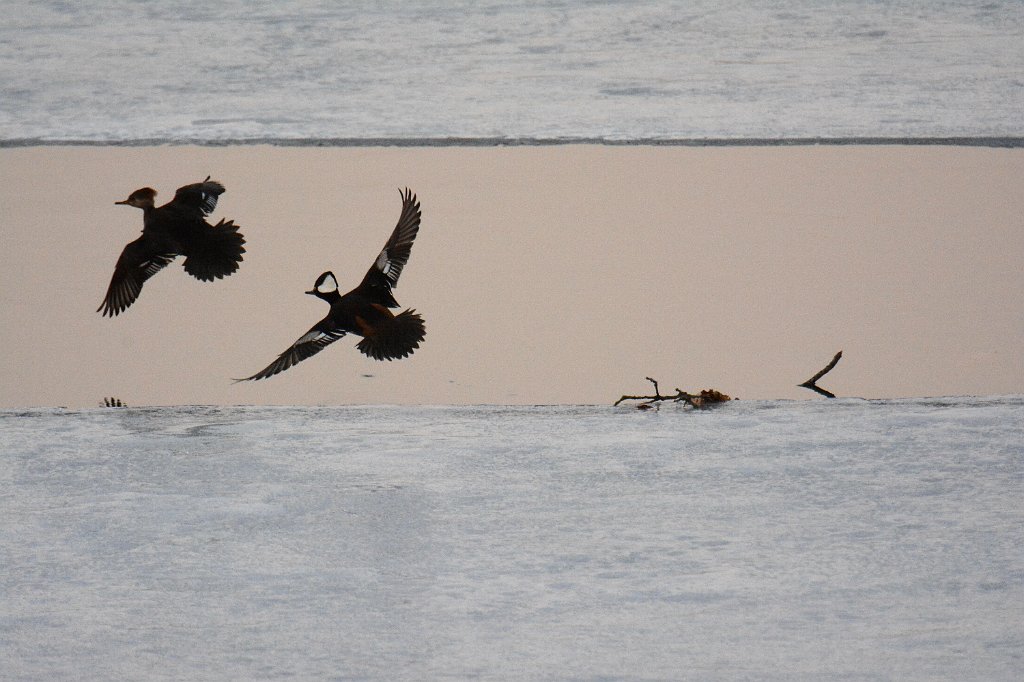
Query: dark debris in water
x=698 y=401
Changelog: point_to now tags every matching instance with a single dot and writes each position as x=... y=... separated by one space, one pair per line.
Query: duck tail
x=394 y=338
x=218 y=252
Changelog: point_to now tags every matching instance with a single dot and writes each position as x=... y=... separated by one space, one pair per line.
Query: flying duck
x=366 y=310
x=178 y=228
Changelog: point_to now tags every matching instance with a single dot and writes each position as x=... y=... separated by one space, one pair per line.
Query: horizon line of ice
x=999 y=141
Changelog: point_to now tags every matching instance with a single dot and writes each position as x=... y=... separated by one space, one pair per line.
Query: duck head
x=140 y=198
x=326 y=287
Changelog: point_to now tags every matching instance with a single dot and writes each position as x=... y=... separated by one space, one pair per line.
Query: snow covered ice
x=185 y=72
x=826 y=539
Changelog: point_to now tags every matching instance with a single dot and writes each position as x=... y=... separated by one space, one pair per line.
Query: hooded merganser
x=175 y=229
x=364 y=311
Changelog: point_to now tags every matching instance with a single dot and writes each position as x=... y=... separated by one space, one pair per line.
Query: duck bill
x=121 y=203
x=312 y=293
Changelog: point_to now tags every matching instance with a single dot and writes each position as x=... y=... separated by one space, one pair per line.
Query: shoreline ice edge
x=1007 y=142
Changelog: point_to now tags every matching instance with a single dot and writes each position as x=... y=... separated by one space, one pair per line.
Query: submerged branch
x=812 y=382
x=703 y=399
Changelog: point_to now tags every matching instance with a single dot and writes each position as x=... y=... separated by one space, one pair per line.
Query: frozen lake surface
x=817 y=540
x=429 y=70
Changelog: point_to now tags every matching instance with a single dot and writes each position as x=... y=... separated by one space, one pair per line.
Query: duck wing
x=386 y=269
x=198 y=199
x=321 y=335
x=139 y=261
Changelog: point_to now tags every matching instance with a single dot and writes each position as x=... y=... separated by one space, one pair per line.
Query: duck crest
x=326 y=283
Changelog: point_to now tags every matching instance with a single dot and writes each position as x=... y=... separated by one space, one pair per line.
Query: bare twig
x=812 y=382
x=655 y=386
x=705 y=398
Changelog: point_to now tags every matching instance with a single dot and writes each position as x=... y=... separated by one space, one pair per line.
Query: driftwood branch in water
x=812 y=382
x=705 y=398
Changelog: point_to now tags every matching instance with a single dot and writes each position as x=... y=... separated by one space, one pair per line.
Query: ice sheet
x=820 y=540
x=429 y=70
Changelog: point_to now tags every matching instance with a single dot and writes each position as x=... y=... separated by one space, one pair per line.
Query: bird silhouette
x=364 y=311
x=178 y=228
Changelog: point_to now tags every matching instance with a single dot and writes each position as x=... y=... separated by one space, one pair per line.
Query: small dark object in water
x=706 y=398
x=812 y=382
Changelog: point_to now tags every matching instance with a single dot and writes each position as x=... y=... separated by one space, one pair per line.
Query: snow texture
x=432 y=70
x=818 y=540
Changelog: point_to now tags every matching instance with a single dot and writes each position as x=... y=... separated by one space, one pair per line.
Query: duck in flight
x=364 y=311
x=178 y=228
